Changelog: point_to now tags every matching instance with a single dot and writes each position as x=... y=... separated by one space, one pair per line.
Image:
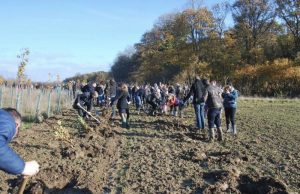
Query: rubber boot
x=127 y=125
x=211 y=134
x=234 y=130
x=227 y=128
x=124 y=122
x=220 y=134
x=138 y=110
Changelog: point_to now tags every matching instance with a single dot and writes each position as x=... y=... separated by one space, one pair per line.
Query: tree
x=21 y=69
x=289 y=11
x=200 y=23
x=253 y=18
x=220 y=12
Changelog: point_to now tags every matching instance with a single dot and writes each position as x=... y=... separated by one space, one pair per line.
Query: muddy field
x=164 y=154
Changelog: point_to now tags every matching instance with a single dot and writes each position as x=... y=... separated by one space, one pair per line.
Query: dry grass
x=29 y=100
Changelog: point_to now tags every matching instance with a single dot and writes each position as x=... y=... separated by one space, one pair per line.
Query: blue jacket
x=230 y=99
x=10 y=162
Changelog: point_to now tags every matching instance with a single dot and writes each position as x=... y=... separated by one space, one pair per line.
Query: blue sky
x=70 y=36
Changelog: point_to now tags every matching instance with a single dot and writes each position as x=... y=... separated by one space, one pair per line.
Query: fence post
x=49 y=104
x=1 y=97
x=37 y=113
x=59 y=103
x=11 y=96
x=18 y=100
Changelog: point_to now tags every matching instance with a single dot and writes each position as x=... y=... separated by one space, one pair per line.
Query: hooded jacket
x=230 y=99
x=10 y=161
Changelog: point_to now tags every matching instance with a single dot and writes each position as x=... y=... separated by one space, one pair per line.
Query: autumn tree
x=289 y=12
x=21 y=78
x=253 y=18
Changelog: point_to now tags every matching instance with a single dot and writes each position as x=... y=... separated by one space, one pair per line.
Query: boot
x=220 y=134
x=127 y=125
x=234 y=130
x=211 y=134
x=124 y=122
x=227 y=128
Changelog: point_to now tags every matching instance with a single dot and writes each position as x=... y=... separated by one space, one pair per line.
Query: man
x=11 y=162
x=111 y=92
x=89 y=89
x=197 y=90
x=82 y=101
x=213 y=101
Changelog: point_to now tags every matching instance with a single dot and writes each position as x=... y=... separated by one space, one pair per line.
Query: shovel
x=23 y=184
x=88 y=113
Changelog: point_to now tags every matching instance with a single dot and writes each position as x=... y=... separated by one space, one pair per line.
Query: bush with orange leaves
x=280 y=78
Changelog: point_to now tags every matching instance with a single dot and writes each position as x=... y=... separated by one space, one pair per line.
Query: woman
x=123 y=99
x=230 y=96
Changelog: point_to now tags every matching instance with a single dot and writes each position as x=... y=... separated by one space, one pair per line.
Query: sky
x=66 y=37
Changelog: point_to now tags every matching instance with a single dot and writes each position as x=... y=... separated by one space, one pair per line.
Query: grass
x=29 y=100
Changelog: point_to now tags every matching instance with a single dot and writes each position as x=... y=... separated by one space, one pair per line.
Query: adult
x=10 y=161
x=86 y=102
x=197 y=90
x=122 y=100
x=111 y=92
x=89 y=88
x=213 y=101
x=230 y=96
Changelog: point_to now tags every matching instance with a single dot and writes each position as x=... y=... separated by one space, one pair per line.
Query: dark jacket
x=230 y=99
x=197 y=90
x=10 y=162
x=123 y=98
x=140 y=92
x=83 y=100
x=88 y=88
x=213 y=97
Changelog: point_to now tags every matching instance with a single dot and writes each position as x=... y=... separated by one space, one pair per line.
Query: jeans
x=199 y=111
x=214 y=117
x=138 y=102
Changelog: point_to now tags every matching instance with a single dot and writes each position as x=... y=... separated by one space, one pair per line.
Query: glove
x=31 y=168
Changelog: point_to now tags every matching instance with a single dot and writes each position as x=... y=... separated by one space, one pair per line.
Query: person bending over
x=10 y=161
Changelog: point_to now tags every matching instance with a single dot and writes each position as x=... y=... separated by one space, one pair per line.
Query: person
x=197 y=90
x=123 y=101
x=101 y=97
x=139 y=96
x=153 y=99
x=230 y=96
x=84 y=101
x=74 y=88
x=10 y=161
x=89 y=88
x=110 y=93
x=173 y=104
x=213 y=100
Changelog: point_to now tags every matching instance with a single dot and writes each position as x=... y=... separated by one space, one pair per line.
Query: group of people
x=208 y=100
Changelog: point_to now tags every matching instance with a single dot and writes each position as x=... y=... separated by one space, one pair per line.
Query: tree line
x=258 y=52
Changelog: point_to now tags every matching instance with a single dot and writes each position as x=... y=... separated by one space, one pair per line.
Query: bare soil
x=164 y=154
